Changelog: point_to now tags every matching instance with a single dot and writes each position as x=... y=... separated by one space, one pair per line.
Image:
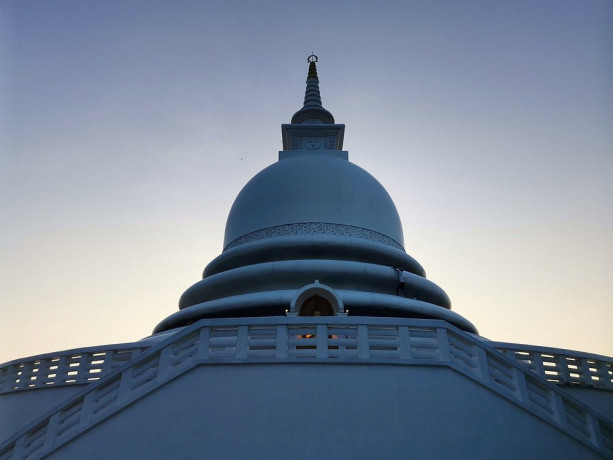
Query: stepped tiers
x=313 y=335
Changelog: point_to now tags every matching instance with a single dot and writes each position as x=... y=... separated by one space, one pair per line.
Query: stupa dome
x=313 y=227
x=312 y=192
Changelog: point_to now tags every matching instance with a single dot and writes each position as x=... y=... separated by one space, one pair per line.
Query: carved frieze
x=314 y=228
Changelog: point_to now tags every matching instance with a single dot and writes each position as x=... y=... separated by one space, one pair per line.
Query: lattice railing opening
x=562 y=367
x=81 y=366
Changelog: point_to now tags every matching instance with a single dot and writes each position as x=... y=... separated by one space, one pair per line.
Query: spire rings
x=312 y=58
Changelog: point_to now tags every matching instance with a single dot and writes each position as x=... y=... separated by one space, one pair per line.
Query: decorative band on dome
x=314 y=228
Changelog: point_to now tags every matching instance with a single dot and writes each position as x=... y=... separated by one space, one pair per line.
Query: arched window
x=316 y=306
x=316 y=300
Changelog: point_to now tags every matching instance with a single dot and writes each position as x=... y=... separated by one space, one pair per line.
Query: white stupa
x=313 y=335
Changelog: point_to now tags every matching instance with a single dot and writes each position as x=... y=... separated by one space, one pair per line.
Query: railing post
x=582 y=371
x=484 y=365
x=595 y=431
x=602 y=372
x=86 y=409
x=81 y=368
x=443 y=345
x=62 y=372
x=281 y=346
x=404 y=343
x=203 y=343
x=322 y=340
x=363 y=345
x=563 y=370
x=537 y=362
x=125 y=385
x=51 y=433
x=5 y=374
x=241 y=341
x=26 y=374
x=522 y=387
x=164 y=364
x=559 y=409
x=107 y=365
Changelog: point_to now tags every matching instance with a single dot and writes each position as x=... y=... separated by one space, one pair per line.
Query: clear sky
x=128 y=128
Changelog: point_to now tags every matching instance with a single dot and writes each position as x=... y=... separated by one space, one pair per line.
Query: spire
x=312 y=112
x=312 y=98
x=312 y=127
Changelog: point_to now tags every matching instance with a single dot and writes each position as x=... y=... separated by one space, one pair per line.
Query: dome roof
x=313 y=192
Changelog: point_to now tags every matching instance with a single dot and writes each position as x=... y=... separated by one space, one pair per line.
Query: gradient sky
x=128 y=128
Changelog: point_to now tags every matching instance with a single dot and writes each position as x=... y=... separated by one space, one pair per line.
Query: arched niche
x=316 y=305
x=316 y=300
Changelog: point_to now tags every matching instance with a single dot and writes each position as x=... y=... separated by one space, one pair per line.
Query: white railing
x=79 y=366
x=87 y=365
x=338 y=340
x=562 y=367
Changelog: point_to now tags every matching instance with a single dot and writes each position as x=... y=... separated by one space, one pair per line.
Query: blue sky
x=128 y=127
